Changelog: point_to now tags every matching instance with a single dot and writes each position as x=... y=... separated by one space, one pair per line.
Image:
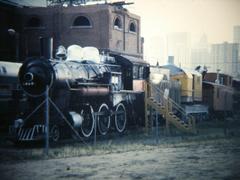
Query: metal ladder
x=172 y=112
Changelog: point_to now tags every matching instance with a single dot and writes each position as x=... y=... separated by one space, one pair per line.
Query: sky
x=215 y=18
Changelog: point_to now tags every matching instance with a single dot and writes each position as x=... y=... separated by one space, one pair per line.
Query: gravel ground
x=217 y=157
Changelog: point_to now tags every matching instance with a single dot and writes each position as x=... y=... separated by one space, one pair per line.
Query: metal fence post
x=146 y=107
x=46 y=121
x=95 y=130
x=156 y=119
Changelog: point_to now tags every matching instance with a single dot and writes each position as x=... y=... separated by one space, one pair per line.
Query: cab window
x=135 y=72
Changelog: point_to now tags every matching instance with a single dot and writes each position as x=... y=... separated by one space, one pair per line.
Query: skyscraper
x=236 y=39
x=236 y=34
x=200 y=52
x=179 y=46
x=224 y=56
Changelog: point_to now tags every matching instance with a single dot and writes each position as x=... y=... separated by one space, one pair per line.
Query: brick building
x=105 y=26
x=8 y=20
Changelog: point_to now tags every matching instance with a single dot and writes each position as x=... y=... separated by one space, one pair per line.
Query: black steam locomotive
x=81 y=92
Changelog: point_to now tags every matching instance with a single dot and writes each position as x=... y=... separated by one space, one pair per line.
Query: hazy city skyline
x=215 y=18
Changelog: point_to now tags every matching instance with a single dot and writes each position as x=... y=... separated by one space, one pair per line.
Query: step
x=178 y=119
x=152 y=101
x=174 y=116
x=182 y=122
x=151 y=97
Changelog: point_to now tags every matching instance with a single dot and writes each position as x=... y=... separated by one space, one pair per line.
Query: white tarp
x=77 y=53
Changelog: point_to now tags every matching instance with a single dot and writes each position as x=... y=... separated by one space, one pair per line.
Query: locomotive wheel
x=103 y=119
x=55 y=133
x=88 y=121
x=120 y=118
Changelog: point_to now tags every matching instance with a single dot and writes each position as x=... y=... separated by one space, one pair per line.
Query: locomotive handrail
x=91 y=64
x=107 y=67
x=110 y=66
x=127 y=91
x=93 y=84
x=101 y=64
x=119 y=73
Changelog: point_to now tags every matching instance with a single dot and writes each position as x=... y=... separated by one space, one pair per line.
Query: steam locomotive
x=84 y=87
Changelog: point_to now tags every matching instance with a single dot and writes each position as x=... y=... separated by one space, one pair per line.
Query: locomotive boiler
x=82 y=91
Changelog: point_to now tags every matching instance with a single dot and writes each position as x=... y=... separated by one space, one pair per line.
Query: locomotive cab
x=134 y=72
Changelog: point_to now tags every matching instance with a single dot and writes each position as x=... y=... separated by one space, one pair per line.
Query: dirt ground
x=208 y=157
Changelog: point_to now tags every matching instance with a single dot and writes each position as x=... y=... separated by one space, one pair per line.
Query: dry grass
x=117 y=144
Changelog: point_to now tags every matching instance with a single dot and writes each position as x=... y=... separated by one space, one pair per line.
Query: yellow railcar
x=186 y=82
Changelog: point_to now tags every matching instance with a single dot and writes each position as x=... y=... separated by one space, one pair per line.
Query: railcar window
x=135 y=72
x=222 y=80
x=128 y=74
x=141 y=72
x=146 y=72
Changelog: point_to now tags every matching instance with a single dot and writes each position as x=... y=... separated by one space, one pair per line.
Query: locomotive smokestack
x=46 y=47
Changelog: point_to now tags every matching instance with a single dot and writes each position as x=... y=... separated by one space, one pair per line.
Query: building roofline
x=12 y=4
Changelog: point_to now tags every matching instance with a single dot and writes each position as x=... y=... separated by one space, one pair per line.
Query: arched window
x=118 y=23
x=34 y=22
x=132 y=27
x=82 y=21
